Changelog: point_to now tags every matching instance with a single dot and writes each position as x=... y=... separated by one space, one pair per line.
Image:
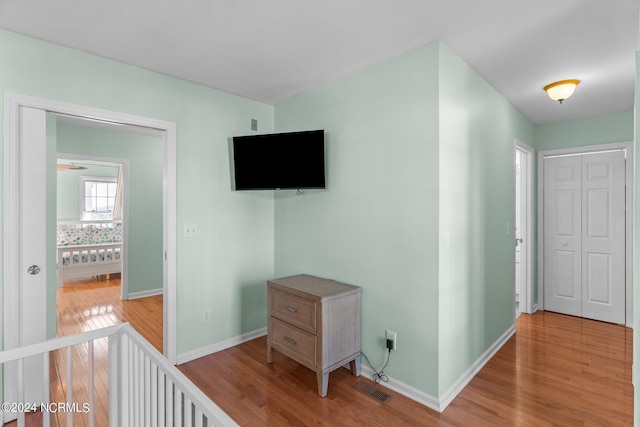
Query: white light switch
x=191 y=230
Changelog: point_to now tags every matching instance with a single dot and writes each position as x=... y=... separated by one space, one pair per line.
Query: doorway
x=523 y=228
x=86 y=212
x=15 y=273
x=585 y=255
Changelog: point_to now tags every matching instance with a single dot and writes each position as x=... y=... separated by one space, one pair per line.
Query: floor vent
x=372 y=392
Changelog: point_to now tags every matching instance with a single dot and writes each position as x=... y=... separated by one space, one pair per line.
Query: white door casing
x=32 y=257
x=584 y=235
x=524 y=228
x=16 y=132
x=519 y=234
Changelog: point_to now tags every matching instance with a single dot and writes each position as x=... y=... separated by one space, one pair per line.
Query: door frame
x=629 y=209
x=526 y=294
x=124 y=163
x=11 y=213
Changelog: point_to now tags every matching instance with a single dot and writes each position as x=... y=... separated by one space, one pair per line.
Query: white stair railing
x=144 y=388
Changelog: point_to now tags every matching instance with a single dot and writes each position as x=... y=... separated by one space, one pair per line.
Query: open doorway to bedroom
x=109 y=211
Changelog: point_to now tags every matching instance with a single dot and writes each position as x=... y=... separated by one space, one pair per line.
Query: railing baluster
x=199 y=418
x=140 y=372
x=69 y=384
x=161 y=398
x=125 y=379
x=91 y=374
x=144 y=388
x=169 y=395
x=116 y=381
x=134 y=382
x=46 y=416
x=188 y=412
x=21 y=390
x=177 y=406
x=153 y=398
x=147 y=390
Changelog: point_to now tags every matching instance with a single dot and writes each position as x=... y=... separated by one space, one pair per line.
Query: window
x=97 y=196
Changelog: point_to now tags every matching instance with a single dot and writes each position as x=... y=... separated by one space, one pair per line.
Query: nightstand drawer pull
x=291 y=309
x=290 y=340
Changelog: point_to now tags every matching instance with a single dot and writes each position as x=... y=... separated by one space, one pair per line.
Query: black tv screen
x=292 y=160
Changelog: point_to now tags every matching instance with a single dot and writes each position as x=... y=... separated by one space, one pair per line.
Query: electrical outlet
x=191 y=230
x=394 y=337
x=254 y=124
x=206 y=316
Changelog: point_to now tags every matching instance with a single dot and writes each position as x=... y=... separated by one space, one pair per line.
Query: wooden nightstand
x=315 y=322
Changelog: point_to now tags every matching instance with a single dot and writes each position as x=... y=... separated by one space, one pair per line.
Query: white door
x=521 y=231
x=603 y=236
x=584 y=235
x=32 y=257
x=518 y=278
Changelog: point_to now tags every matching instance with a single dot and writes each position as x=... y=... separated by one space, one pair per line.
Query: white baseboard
x=462 y=382
x=143 y=294
x=222 y=345
x=393 y=384
x=441 y=404
x=405 y=389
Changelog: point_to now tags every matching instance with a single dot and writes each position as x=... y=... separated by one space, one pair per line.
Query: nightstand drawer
x=293 y=342
x=293 y=309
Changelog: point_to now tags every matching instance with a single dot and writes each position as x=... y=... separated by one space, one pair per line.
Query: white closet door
x=562 y=235
x=603 y=236
x=584 y=235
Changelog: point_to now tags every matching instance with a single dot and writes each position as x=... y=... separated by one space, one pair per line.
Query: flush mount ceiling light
x=559 y=91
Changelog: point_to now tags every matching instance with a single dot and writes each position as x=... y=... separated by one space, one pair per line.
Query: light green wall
x=376 y=224
x=609 y=128
x=68 y=196
x=224 y=269
x=476 y=199
x=419 y=148
x=144 y=154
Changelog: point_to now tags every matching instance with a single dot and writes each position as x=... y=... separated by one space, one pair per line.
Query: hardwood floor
x=85 y=305
x=556 y=370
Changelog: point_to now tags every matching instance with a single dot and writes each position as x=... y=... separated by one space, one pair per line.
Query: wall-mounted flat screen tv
x=279 y=161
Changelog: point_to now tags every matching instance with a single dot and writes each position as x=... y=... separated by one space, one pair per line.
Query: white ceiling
x=273 y=50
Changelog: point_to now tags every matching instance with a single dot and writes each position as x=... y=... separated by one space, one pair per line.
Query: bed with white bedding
x=87 y=249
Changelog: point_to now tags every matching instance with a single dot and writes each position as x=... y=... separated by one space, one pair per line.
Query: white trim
x=11 y=215
x=466 y=378
x=404 y=389
x=441 y=404
x=144 y=294
x=10 y=224
x=219 y=346
x=630 y=207
x=526 y=303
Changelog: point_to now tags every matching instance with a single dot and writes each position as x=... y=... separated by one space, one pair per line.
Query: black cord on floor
x=379 y=375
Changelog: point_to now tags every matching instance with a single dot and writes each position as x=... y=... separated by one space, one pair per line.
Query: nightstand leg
x=269 y=354
x=355 y=366
x=323 y=383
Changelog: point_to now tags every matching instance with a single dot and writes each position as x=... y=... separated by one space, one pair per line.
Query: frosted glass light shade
x=559 y=91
